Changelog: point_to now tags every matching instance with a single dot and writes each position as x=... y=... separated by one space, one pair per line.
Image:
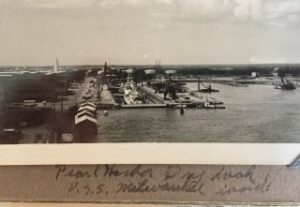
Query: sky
x=35 y=32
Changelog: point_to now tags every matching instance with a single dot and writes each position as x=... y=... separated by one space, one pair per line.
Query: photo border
x=150 y=153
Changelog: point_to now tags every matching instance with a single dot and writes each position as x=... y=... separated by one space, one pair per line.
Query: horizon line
x=162 y=65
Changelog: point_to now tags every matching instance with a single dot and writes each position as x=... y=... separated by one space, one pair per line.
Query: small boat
x=213 y=104
x=209 y=105
x=237 y=84
x=206 y=89
x=285 y=85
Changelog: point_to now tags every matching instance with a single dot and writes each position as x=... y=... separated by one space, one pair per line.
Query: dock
x=106 y=98
x=194 y=99
x=174 y=106
x=143 y=106
x=155 y=98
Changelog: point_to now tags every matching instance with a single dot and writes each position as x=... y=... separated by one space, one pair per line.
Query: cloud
x=206 y=9
x=269 y=12
x=283 y=7
x=69 y=4
x=166 y=2
x=157 y=25
x=111 y=4
x=282 y=13
x=108 y=4
x=264 y=60
x=135 y=2
x=190 y=10
x=248 y=10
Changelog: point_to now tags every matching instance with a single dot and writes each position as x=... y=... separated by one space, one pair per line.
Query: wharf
x=143 y=106
x=106 y=98
x=174 y=106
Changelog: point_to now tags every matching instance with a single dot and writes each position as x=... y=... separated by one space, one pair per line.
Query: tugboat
x=207 y=88
x=212 y=105
x=285 y=85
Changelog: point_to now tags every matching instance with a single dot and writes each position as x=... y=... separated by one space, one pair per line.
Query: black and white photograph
x=140 y=71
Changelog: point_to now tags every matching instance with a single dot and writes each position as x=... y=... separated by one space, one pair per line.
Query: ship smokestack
x=56 y=66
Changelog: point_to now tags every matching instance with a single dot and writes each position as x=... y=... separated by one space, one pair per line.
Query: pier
x=106 y=98
x=143 y=106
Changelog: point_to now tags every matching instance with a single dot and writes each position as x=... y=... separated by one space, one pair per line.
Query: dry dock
x=106 y=98
x=156 y=98
x=189 y=99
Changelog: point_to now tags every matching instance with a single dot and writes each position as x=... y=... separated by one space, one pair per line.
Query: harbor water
x=253 y=114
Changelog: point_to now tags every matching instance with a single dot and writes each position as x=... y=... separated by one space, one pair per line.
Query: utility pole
x=53 y=122
x=62 y=103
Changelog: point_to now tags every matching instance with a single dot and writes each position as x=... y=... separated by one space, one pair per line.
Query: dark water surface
x=257 y=113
